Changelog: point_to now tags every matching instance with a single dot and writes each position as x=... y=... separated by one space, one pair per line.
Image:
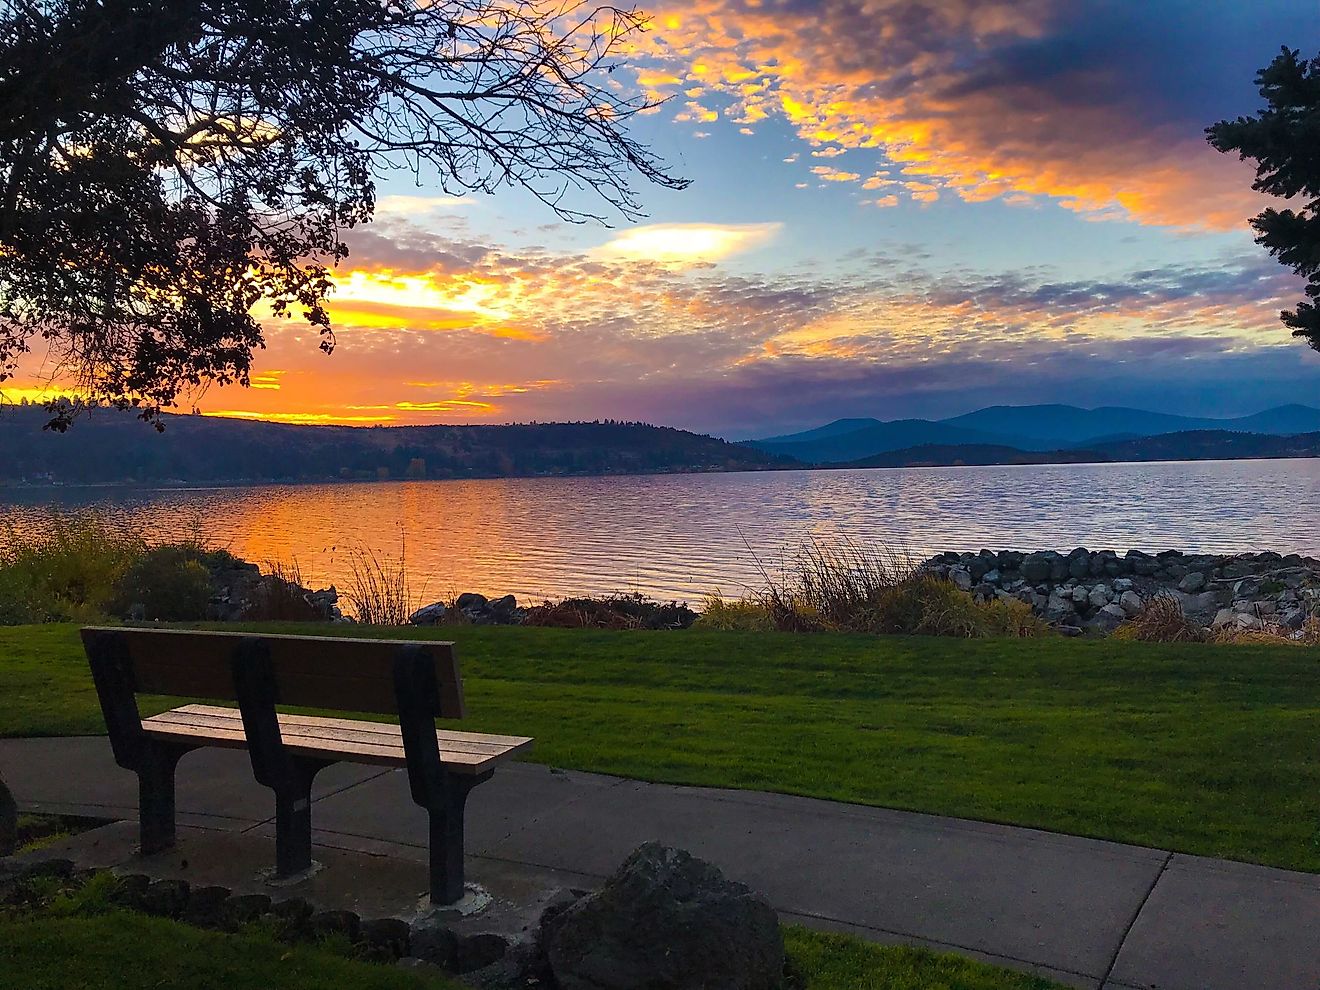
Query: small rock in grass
x=166 y=898
x=130 y=890
x=243 y=909
x=295 y=909
x=385 y=938
x=433 y=943
x=206 y=906
x=328 y=923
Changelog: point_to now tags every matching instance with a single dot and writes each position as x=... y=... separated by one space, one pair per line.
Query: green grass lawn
x=1204 y=749
x=822 y=961
x=120 y=950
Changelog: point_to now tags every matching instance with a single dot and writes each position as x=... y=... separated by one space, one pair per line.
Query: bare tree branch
x=166 y=164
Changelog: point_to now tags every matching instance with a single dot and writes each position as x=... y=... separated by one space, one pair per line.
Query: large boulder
x=1036 y=567
x=1192 y=582
x=666 y=921
x=1107 y=619
x=1130 y=602
x=1201 y=605
x=429 y=615
x=1059 y=609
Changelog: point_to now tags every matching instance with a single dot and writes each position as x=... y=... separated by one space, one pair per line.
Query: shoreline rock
x=1096 y=590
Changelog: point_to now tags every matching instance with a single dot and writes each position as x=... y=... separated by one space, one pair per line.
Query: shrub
x=280 y=596
x=1013 y=618
x=838 y=585
x=20 y=602
x=70 y=573
x=845 y=587
x=167 y=583
x=923 y=605
x=1161 y=620
x=718 y=612
x=620 y=611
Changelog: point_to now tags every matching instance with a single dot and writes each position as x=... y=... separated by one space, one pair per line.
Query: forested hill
x=108 y=446
x=1190 y=445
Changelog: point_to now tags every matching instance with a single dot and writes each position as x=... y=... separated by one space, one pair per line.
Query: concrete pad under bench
x=389 y=882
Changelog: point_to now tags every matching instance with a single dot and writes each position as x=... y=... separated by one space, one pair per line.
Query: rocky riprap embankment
x=1097 y=590
x=240 y=592
x=478 y=610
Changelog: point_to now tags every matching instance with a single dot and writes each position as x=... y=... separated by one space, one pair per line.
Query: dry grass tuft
x=378 y=593
x=1161 y=620
x=843 y=586
x=282 y=596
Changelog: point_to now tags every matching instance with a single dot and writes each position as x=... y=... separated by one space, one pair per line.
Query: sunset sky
x=898 y=208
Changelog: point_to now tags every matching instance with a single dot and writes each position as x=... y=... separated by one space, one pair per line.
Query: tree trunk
x=8 y=821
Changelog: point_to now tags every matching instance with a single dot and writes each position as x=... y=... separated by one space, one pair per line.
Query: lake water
x=682 y=535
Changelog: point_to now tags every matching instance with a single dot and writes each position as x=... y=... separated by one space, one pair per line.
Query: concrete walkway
x=1084 y=912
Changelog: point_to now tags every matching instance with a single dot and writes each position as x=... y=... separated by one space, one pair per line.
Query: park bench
x=417 y=681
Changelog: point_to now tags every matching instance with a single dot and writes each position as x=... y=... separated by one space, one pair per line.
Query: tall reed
x=845 y=586
x=378 y=591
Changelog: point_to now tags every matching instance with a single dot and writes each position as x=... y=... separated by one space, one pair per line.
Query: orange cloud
x=602 y=330
x=948 y=92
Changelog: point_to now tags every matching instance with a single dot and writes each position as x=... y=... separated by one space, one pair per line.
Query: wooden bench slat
x=291 y=727
x=333 y=723
x=497 y=740
x=236 y=740
x=354 y=752
x=358 y=741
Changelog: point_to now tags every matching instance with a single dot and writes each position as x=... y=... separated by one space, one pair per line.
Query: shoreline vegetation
x=84 y=568
x=107 y=449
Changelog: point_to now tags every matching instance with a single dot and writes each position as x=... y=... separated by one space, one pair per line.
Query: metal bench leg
x=447 y=837
x=293 y=819
x=156 y=797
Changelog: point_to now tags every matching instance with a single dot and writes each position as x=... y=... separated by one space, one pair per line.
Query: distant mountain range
x=1023 y=429
x=109 y=447
x=113 y=447
x=1192 y=445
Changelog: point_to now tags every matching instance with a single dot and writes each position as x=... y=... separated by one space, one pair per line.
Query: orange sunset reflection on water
x=685 y=535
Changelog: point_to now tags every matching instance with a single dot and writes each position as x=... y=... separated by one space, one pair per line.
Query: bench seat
x=334 y=738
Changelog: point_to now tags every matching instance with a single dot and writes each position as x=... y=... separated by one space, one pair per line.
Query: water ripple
x=682 y=535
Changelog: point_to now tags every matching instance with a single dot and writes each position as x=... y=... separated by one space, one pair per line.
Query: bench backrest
x=349 y=675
